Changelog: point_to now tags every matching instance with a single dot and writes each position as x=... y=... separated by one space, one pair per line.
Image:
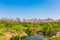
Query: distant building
x=24 y=20
x=17 y=20
x=48 y=20
x=4 y=19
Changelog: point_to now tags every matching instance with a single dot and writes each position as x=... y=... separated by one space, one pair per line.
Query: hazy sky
x=30 y=8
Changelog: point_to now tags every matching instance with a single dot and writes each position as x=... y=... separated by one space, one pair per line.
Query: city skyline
x=30 y=9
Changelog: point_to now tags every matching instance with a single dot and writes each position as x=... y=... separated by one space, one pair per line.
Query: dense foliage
x=21 y=28
x=55 y=38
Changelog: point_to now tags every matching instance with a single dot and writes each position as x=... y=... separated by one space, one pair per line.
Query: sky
x=30 y=9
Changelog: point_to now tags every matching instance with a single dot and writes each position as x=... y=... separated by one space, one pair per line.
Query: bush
x=15 y=38
x=55 y=38
x=1 y=33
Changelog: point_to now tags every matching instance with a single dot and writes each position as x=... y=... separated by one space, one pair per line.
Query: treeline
x=22 y=29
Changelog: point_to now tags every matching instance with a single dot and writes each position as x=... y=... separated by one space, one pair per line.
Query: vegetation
x=55 y=38
x=21 y=29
